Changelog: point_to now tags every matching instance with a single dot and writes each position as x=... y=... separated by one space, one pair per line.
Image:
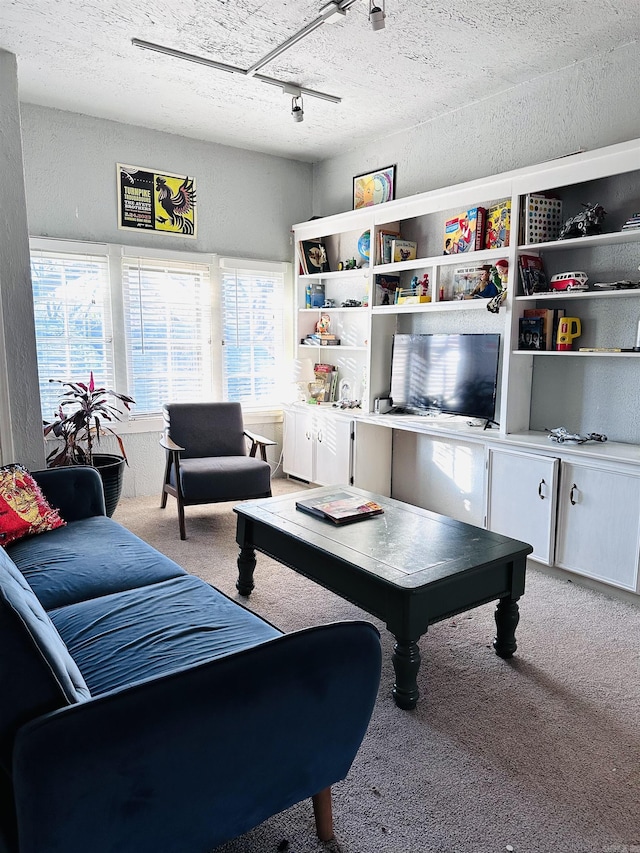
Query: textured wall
x=585 y=105
x=20 y=419
x=246 y=202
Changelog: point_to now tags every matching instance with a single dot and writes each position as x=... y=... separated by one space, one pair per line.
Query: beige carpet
x=540 y=754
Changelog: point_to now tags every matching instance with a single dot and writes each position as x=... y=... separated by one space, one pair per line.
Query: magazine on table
x=340 y=508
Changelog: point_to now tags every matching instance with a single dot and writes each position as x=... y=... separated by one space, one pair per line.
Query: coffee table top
x=406 y=546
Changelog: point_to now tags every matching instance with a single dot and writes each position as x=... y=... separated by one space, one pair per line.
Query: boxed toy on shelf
x=498 y=227
x=465 y=232
x=542 y=218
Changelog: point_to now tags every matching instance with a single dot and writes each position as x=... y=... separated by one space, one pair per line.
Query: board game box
x=465 y=232
x=498 y=227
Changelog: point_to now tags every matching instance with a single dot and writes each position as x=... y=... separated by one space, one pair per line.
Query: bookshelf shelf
x=574 y=354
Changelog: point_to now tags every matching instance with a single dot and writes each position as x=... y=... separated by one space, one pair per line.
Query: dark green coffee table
x=409 y=567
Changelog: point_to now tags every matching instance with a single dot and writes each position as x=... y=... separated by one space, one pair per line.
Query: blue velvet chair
x=208 y=460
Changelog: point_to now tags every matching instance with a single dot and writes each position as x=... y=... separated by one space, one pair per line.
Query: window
x=253 y=331
x=72 y=321
x=167 y=309
x=156 y=325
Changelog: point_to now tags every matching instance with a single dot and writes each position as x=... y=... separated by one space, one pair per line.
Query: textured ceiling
x=432 y=57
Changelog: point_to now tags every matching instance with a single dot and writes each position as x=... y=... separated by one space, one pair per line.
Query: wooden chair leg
x=167 y=473
x=323 y=814
x=183 y=532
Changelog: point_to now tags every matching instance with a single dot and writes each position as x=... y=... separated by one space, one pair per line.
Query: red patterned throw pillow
x=24 y=510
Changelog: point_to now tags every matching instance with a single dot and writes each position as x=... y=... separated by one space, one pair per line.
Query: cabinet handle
x=540 y=485
x=307 y=435
x=320 y=436
x=573 y=489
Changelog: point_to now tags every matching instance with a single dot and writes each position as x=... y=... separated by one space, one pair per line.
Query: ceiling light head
x=376 y=15
x=297 y=110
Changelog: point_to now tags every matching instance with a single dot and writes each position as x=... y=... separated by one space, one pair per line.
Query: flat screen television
x=454 y=374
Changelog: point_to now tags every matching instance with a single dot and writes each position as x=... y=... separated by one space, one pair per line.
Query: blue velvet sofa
x=141 y=710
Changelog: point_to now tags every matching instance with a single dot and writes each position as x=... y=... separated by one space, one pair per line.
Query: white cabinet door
x=298 y=444
x=598 y=523
x=521 y=499
x=333 y=444
x=317 y=446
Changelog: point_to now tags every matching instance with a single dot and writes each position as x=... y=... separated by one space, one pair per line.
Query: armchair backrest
x=206 y=429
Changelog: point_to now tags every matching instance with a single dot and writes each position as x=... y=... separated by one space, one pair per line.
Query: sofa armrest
x=75 y=490
x=192 y=759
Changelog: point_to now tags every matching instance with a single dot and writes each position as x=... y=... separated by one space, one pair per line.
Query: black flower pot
x=111 y=470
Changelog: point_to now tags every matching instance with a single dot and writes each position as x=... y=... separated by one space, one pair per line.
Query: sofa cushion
x=37 y=673
x=24 y=510
x=139 y=634
x=89 y=558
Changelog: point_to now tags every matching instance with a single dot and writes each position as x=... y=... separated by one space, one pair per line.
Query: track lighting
x=297 y=110
x=376 y=15
x=334 y=10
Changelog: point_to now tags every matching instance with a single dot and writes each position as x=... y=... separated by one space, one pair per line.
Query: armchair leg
x=167 y=471
x=183 y=532
x=323 y=814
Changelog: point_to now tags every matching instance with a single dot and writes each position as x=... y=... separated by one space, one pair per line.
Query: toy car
x=569 y=281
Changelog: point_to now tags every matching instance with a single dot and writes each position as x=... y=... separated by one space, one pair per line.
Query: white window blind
x=167 y=305
x=72 y=322
x=253 y=331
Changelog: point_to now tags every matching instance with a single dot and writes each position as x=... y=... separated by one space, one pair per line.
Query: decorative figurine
x=324 y=324
x=587 y=222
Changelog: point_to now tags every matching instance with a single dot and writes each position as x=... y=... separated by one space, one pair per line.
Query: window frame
x=116 y=252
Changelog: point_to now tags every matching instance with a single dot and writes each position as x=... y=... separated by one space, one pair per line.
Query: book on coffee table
x=340 y=508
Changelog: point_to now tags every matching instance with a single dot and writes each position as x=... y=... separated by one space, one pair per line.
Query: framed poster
x=374 y=187
x=156 y=201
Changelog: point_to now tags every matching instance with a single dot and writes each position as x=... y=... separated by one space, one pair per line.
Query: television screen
x=454 y=374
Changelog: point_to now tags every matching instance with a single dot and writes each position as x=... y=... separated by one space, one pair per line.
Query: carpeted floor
x=540 y=754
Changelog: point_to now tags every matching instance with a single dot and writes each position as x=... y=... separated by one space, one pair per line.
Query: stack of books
x=532 y=275
x=542 y=323
x=320 y=339
x=632 y=223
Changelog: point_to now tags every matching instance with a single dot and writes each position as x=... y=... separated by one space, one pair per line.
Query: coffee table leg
x=507 y=616
x=406 y=663
x=246 y=565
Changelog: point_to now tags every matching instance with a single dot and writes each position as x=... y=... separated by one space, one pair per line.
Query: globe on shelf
x=364 y=245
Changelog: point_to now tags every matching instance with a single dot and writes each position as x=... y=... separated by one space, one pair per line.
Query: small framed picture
x=374 y=187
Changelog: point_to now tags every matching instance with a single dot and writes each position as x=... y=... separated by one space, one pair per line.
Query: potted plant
x=79 y=423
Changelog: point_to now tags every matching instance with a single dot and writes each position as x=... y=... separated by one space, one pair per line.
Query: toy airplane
x=561 y=435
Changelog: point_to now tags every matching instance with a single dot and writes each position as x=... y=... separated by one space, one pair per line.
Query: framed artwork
x=314 y=257
x=156 y=202
x=374 y=187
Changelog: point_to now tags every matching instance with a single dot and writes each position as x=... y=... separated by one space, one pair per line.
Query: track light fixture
x=297 y=110
x=376 y=15
x=334 y=10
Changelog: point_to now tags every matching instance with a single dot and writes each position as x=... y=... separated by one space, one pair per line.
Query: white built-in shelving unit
x=577 y=519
